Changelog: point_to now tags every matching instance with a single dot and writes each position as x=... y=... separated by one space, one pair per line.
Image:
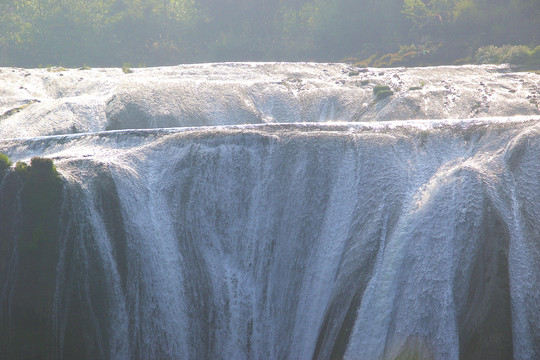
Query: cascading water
x=376 y=240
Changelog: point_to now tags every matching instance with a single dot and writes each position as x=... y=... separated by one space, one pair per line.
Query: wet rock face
x=126 y=114
x=485 y=318
x=31 y=242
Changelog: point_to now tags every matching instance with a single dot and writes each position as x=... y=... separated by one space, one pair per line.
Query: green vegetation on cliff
x=41 y=195
x=508 y=54
x=161 y=32
x=5 y=163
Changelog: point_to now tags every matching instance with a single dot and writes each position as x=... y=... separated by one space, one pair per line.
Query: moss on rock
x=5 y=163
x=30 y=329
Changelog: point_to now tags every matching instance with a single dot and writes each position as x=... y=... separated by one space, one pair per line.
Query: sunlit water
x=285 y=238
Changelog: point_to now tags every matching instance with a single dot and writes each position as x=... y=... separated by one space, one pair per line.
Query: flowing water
x=294 y=224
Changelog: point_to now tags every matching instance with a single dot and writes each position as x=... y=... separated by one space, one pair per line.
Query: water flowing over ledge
x=36 y=102
x=363 y=240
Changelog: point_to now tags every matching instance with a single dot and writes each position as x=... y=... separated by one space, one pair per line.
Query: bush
x=367 y=62
x=5 y=163
x=406 y=56
x=21 y=168
x=517 y=54
x=126 y=68
x=378 y=88
x=382 y=91
x=384 y=94
x=534 y=58
x=41 y=196
x=506 y=54
x=43 y=167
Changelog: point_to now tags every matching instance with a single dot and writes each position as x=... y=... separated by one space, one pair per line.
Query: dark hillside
x=164 y=32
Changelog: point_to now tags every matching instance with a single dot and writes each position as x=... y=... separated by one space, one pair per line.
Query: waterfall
x=357 y=240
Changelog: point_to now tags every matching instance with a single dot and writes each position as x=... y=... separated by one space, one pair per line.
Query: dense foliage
x=5 y=163
x=155 y=32
x=41 y=194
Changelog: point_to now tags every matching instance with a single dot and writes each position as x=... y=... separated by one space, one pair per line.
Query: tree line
x=165 y=32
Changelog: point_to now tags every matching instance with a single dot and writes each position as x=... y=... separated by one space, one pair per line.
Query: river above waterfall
x=52 y=101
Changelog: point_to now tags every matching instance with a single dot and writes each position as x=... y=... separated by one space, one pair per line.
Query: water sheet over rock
x=297 y=241
x=56 y=101
x=358 y=240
